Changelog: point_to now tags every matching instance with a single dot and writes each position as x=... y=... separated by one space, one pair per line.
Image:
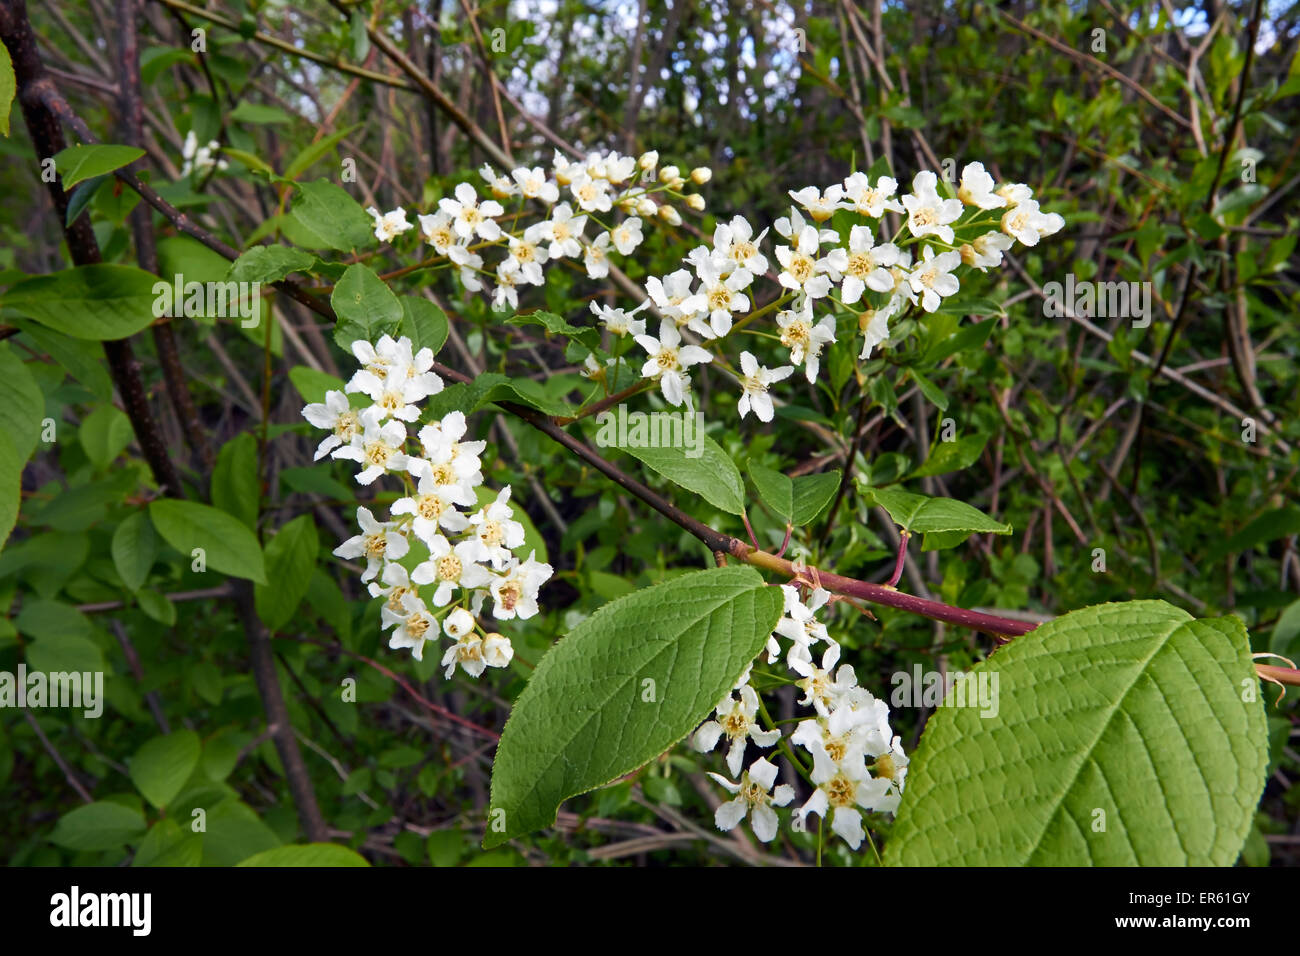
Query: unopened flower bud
x=645 y=206
x=649 y=161
x=670 y=215
x=696 y=202
x=701 y=175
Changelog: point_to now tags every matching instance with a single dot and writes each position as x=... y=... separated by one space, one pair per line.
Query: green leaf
x=952 y=456
x=360 y=38
x=235 y=833
x=624 y=686
x=78 y=163
x=711 y=474
x=98 y=302
x=797 y=500
x=8 y=87
x=227 y=544
x=558 y=325
x=166 y=844
x=918 y=514
x=423 y=323
x=968 y=337
x=11 y=472
x=81 y=359
x=1274 y=524
x=134 y=548
x=309 y=156
x=22 y=406
x=309 y=854
x=331 y=218
x=1135 y=710
x=269 y=264
x=81 y=197
x=157 y=606
x=98 y=826
x=1286 y=630
x=930 y=390
x=104 y=433
x=312 y=385
x=366 y=307
x=160 y=768
x=236 y=488
x=290 y=561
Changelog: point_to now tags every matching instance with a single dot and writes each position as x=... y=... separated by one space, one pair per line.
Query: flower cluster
x=854 y=270
x=200 y=159
x=468 y=548
x=575 y=196
x=857 y=763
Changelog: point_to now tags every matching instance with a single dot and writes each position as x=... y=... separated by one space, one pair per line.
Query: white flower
x=533 y=184
x=627 y=236
x=864 y=264
x=754 y=386
x=869 y=201
x=501 y=186
x=671 y=294
x=719 y=296
x=470 y=263
x=515 y=591
x=976 y=188
x=799 y=623
x=737 y=720
x=528 y=254
x=564 y=230
x=468 y=653
x=378 y=447
x=820 y=687
x=469 y=217
x=505 y=296
x=875 y=324
x=619 y=321
x=932 y=278
x=596 y=257
x=841 y=789
x=434 y=507
x=820 y=205
x=458 y=623
x=198 y=159
x=592 y=195
x=389 y=225
x=801 y=268
x=986 y=251
x=669 y=359
x=735 y=241
x=495 y=531
x=927 y=213
x=396 y=584
x=451 y=567
x=497 y=650
x=1015 y=193
x=793 y=226
x=413 y=622
x=450 y=460
x=805 y=340
x=377 y=543
x=619 y=169
x=336 y=414
x=438 y=232
x=752 y=798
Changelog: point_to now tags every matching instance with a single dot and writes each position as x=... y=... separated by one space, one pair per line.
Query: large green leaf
x=331 y=218
x=22 y=406
x=134 y=548
x=235 y=486
x=423 y=323
x=104 y=433
x=1134 y=717
x=290 y=561
x=101 y=301
x=366 y=307
x=8 y=87
x=78 y=163
x=98 y=826
x=160 y=768
x=938 y=517
x=797 y=500
x=227 y=544
x=11 y=471
x=269 y=264
x=311 y=854
x=624 y=686
x=712 y=474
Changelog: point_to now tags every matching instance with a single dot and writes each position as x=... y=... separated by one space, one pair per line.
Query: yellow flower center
x=449 y=568
x=801 y=268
